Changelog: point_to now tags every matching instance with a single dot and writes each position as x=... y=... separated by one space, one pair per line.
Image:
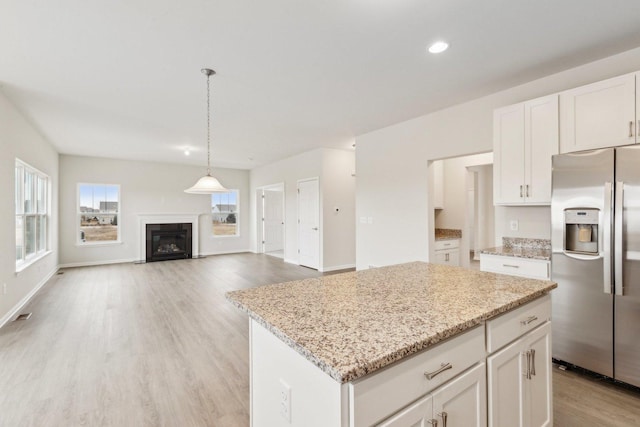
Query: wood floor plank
x=158 y=345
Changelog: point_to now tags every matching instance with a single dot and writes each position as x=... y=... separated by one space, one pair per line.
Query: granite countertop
x=522 y=248
x=447 y=234
x=355 y=323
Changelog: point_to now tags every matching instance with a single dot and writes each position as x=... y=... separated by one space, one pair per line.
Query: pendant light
x=207 y=184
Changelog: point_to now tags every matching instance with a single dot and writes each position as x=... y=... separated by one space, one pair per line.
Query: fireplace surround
x=168 y=241
x=145 y=219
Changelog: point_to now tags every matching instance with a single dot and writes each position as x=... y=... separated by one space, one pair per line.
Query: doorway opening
x=271 y=220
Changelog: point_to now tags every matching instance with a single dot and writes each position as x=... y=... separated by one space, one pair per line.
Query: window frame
x=40 y=211
x=118 y=214
x=237 y=213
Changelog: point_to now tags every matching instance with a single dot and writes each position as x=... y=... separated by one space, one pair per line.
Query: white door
x=309 y=223
x=273 y=224
x=506 y=375
x=463 y=401
x=598 y=115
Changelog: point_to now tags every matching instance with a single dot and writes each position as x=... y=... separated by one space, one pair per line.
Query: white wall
x=145 y=188
x=392 y=162
x=333 y=168
x=19 y=139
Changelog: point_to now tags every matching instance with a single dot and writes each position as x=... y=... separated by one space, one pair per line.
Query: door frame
x=260 y=215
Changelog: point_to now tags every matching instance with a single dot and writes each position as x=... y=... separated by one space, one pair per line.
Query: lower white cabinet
x=447 y=252
x=459 y=403
x=519 y=382
x=514 y=266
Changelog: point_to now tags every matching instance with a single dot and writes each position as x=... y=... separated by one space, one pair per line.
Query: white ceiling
x=121 y=78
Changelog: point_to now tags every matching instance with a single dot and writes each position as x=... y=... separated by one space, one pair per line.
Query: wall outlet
x=513 y=224
x=285 y=400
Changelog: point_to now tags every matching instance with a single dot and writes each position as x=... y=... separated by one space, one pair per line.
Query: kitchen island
x=365 y=347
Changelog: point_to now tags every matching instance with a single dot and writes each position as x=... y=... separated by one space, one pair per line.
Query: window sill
x=25 y=264
x=100 y=244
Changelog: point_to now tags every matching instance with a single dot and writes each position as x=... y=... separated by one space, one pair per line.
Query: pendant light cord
x=208 y=127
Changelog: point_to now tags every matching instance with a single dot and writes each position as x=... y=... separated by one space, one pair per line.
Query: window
x=32 y=213
x=98 y=209
x=224 y=213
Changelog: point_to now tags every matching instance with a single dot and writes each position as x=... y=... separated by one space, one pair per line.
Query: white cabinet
x=459 y=403
x=447 y=252
x=599 y=115
x=514 y=266
x=519 y=382
x=438 y=184
x=525 y=136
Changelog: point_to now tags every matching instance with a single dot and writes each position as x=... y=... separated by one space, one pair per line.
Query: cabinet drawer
x=515 y=323
x=375 y=397
x=523 y=267
x=447 y=244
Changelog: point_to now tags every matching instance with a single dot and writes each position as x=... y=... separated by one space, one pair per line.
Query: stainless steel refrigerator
x=595 y=238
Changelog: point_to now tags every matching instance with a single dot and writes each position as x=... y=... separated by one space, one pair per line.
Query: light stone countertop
x=520 y=252
x=352 y=324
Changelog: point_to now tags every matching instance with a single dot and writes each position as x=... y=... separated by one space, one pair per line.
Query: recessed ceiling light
x=187 y=152
x=438 y=47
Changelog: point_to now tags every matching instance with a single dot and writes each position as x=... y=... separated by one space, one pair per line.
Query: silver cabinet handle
x=528 y=374
x=433 y=422
x=315 y=228
x=631 y=129
x=443 y=367
x=617 y=239
x=521 y=191
x=443 y=415
x=528 y=320
x=527 y=193
x=446 y=257
x=510 y=265
x=533 y=362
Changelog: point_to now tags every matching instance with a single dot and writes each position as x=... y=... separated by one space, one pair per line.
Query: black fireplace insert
x=168 y=241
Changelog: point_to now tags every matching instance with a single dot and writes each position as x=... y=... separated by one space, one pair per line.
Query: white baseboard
x=24 y=301
x=336 y=267
x=291 y=261
x=92 y=263
x=241 y=251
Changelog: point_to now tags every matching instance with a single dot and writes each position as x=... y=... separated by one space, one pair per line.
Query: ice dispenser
x=581 y=231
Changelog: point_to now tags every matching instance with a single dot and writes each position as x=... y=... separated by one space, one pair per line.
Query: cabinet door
x=448 y=257
x=454 y=257
x=463 y=401
x=440 y=257
x=598 y=115
x=417 y=415
x=506 y=375
x=541 y=142
x=508 y=152
x=539 y=410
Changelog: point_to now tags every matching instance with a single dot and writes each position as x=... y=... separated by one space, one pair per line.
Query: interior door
x=309 y=223
x=627 y=281
x=273 y=208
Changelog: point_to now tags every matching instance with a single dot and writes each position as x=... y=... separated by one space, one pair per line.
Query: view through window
x=98 y=208
x=224 y=212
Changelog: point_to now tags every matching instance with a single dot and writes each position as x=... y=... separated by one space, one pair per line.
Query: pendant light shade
x=207 y=184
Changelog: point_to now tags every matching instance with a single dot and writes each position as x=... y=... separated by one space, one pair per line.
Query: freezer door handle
x=617 y=266
x=606 y=243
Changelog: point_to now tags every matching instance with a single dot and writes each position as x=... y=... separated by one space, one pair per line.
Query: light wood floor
x=158 y=345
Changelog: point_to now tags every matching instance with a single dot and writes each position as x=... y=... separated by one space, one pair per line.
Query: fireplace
x=168 y=241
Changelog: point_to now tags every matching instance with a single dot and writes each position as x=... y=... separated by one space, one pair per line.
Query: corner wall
x=19 y=139
x=392 y=163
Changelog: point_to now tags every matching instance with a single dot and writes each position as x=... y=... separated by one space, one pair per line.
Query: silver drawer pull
x=433 y=422
x=510 y=265
x=533 y=362
x=443 y=367
x=529 y=320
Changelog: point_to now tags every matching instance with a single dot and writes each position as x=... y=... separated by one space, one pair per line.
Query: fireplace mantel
x=167 y=218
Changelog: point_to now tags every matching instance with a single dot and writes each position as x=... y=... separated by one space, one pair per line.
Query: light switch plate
x=514 y=225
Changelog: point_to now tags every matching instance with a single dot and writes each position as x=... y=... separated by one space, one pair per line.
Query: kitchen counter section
x=522 y=248
x=352 y=324
x=447 y=234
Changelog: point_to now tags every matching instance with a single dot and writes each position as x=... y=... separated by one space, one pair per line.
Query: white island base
x=497 y=373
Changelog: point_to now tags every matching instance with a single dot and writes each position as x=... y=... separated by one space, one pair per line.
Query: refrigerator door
x=583 y=302
x=627 y=299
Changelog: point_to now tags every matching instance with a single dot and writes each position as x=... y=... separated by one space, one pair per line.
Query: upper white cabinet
x=525 y=136
x=599 y=115
x=438 y=184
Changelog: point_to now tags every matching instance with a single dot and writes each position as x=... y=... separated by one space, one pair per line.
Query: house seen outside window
x=224 y=213
x=32 y=213
x=98 y=213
